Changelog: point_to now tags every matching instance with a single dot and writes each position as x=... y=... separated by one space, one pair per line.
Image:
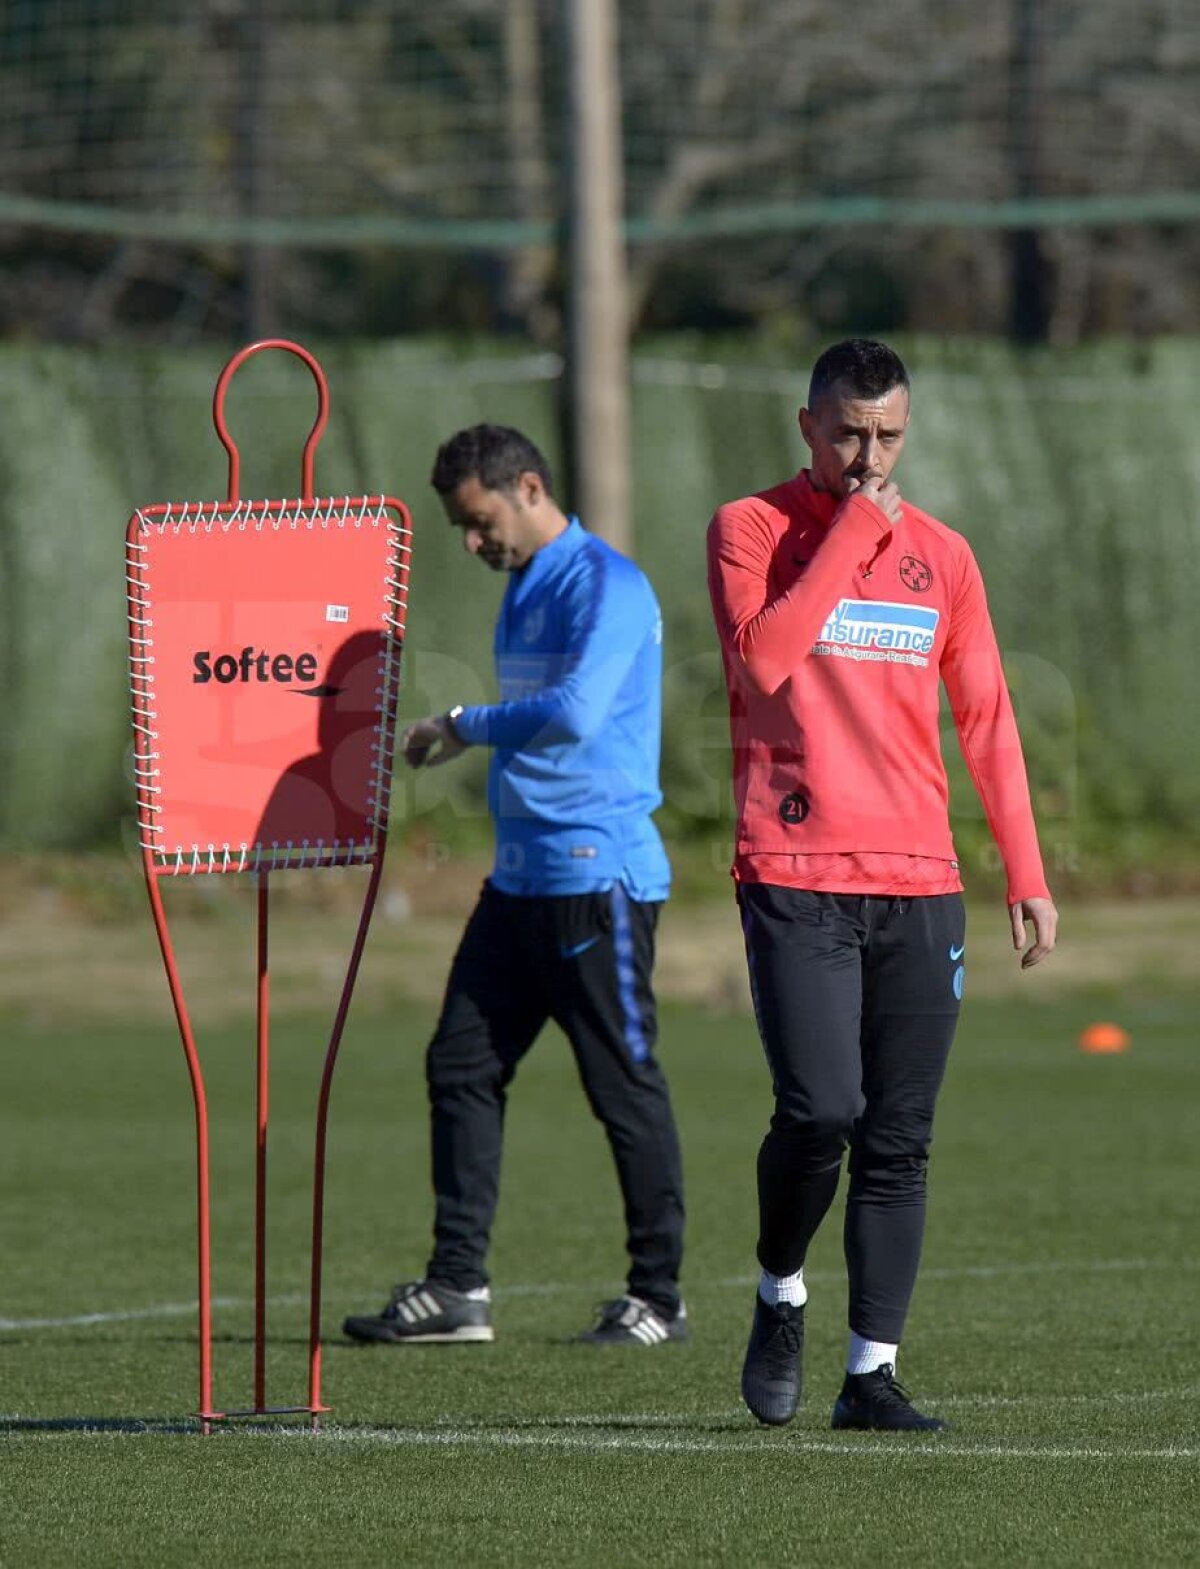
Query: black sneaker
x=771 y=1373
x=876 y=1402
x=423 y=1314
x=631 y=1322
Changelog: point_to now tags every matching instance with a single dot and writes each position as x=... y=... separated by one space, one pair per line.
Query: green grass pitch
x=1054 y=1323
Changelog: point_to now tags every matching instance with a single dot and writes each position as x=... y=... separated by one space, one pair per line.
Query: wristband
x=448 y=719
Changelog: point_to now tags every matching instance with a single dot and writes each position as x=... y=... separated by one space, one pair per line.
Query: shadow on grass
x=453 y=1427
x=160 y=1427
x=620 y=1424
x=269 y=1424
x=96 y=1424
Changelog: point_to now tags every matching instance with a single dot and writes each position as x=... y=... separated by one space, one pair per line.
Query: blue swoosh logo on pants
x=580 y=947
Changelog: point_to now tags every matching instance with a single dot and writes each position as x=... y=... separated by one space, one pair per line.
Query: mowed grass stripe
x=1061 y=1265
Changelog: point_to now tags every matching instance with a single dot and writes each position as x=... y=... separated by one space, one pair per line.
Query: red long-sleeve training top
x=836 y=628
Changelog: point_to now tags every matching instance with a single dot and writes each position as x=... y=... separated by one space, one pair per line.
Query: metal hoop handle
x=314 y=435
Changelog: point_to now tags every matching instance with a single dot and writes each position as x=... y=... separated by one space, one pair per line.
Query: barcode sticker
x=337 y=612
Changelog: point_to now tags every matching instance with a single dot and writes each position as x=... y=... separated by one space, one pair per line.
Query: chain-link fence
x=1092 y=561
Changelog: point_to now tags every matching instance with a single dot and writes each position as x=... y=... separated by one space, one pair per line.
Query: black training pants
x=584 y=961
x=857 y=999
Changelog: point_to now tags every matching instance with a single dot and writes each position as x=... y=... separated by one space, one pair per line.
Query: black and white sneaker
x=772 y=1371
x=875 y=1402
x=628 y=1321
x=420 y=1313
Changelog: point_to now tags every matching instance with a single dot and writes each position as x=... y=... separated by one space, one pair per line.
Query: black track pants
x=584 y=961
x=857 y=999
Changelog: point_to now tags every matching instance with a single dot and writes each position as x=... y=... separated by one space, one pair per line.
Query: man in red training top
x=840 y=607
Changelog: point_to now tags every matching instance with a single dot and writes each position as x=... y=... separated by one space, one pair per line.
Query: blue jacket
x=574 y=769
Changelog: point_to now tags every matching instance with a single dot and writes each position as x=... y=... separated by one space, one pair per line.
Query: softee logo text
x=251 y=665
x=860 y=623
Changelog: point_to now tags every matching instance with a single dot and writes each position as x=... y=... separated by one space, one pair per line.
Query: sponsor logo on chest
x=878 y=631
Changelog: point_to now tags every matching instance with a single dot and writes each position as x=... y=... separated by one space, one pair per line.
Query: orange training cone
x=1103 y=1037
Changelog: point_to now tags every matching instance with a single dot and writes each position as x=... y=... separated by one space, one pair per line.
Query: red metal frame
x=314 y=435
x=207 y=1413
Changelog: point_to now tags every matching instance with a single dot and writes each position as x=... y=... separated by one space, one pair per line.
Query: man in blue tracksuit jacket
x=564 y=927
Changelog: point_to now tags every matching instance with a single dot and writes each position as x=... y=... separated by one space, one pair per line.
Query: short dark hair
x=495 y=455
x=866 y=368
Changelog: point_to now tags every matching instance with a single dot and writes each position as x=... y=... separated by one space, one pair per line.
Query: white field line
x=1100 y=1266
x=564 y=1434
x=126 y=1315
x=116 y=1317
x=872 y=1448
x=560 y=1287
x=1116 y=1397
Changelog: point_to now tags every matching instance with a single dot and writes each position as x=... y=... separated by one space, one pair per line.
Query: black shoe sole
x=627 y=1340
x=843 y=1421
x=770 y=1410
x=370 y=1334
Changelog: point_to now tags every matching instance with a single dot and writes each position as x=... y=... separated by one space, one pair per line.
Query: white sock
x=774 y=1289
x=865 y=1356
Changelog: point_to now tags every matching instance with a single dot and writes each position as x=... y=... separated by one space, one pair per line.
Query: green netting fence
x=1074 y=473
